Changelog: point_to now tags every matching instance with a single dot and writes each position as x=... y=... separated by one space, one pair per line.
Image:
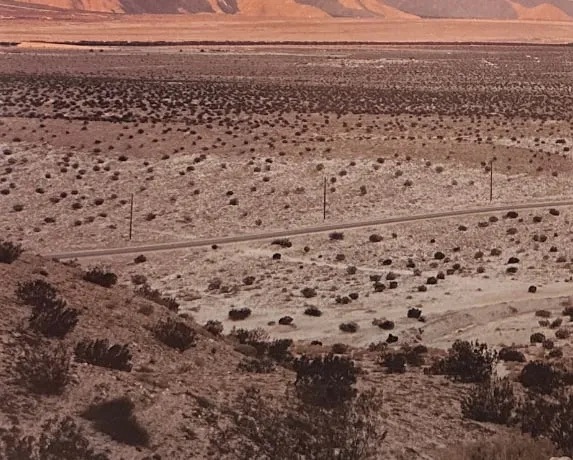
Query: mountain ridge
x=546 y=10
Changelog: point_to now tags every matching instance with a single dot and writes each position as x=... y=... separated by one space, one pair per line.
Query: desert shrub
x=541 y=377
x=116 y=419
x=313 y=311
x=535 y=415
x=568 y=311
x=101 y=276
x=260 y=430
x=490 y=401
x=238 y=314
x=561 y=430
x=395 y=363
x=175 y=334
x=562 y=333
x=258 y=366
x=336 y=236
x=60 y=439
x=385 y=325
x=157 y=297
x=54 y=322
x=308 y=292
x=214 y=327
x=248 y=336
x=537 y=337
x=543 y=314
x=44 y=369
x=414 y=355
x=279 y=350
x=326 y=381
x=468 y=362
x=9 y=252
x=350 y=327
x=37 y=293
x=282 y=242
x=100 y=353
x=511 y=354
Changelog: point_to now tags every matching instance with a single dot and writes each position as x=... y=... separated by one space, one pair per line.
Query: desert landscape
x=250 y=235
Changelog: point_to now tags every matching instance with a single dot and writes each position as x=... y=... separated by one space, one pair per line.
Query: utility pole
x=131 y=218
x=324 y=201
x=491 y=180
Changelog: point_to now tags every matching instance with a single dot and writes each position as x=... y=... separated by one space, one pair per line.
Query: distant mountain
x=560 y=10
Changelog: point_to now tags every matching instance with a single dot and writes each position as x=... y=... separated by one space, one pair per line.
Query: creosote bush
x=100 y=353
x=101 y=276
x=175 y=334
x=469 y=362
x=44 y=369
x=326 y=381
x=491 y=401
x=9 y=252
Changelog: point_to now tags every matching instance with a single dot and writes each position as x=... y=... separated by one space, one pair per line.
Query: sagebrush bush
x=214 y=327
x=54 y=322
x=491 y=401
x=326 y=381
x=238 y=314
x=37 y=293
x=9 y=252
x=175 y=334
x=44 y=369
x=469 y=362
x=60 y=439
x=116 y=419
x=100 y=276
x=157 y=297
x=101 y=353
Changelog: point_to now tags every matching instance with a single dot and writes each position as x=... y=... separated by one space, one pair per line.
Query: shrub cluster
x=44 y=369
x=490 y=401
x=466 y=362
x=326 y=381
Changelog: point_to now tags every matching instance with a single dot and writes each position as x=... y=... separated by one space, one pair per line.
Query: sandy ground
x=170 y=28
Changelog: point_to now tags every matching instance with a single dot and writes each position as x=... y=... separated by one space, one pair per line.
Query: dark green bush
x=468 y=362
x=175 y=334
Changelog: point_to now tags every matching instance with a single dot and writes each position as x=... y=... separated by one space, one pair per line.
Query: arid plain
x=218 y=141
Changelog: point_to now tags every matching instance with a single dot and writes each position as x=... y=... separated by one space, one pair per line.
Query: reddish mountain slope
x=483 y=9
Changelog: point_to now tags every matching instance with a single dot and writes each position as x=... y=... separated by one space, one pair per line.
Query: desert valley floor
x=218 y=140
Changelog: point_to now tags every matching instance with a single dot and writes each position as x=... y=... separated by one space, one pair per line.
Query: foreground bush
x=9 y=252
x=468 y=362
x=326 y=381
x=116 y=419
x=44 y=369
x=175 y=334
x=100 y=353
x=258 y=366
x=100 y=276
x=260 y=430
x=490 y=401
x=59 y=440
x=541 y=377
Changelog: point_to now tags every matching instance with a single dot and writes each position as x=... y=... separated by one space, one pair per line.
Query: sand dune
x=543 y=12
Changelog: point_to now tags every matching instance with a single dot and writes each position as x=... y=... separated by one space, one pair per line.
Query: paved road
x=301 y=231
